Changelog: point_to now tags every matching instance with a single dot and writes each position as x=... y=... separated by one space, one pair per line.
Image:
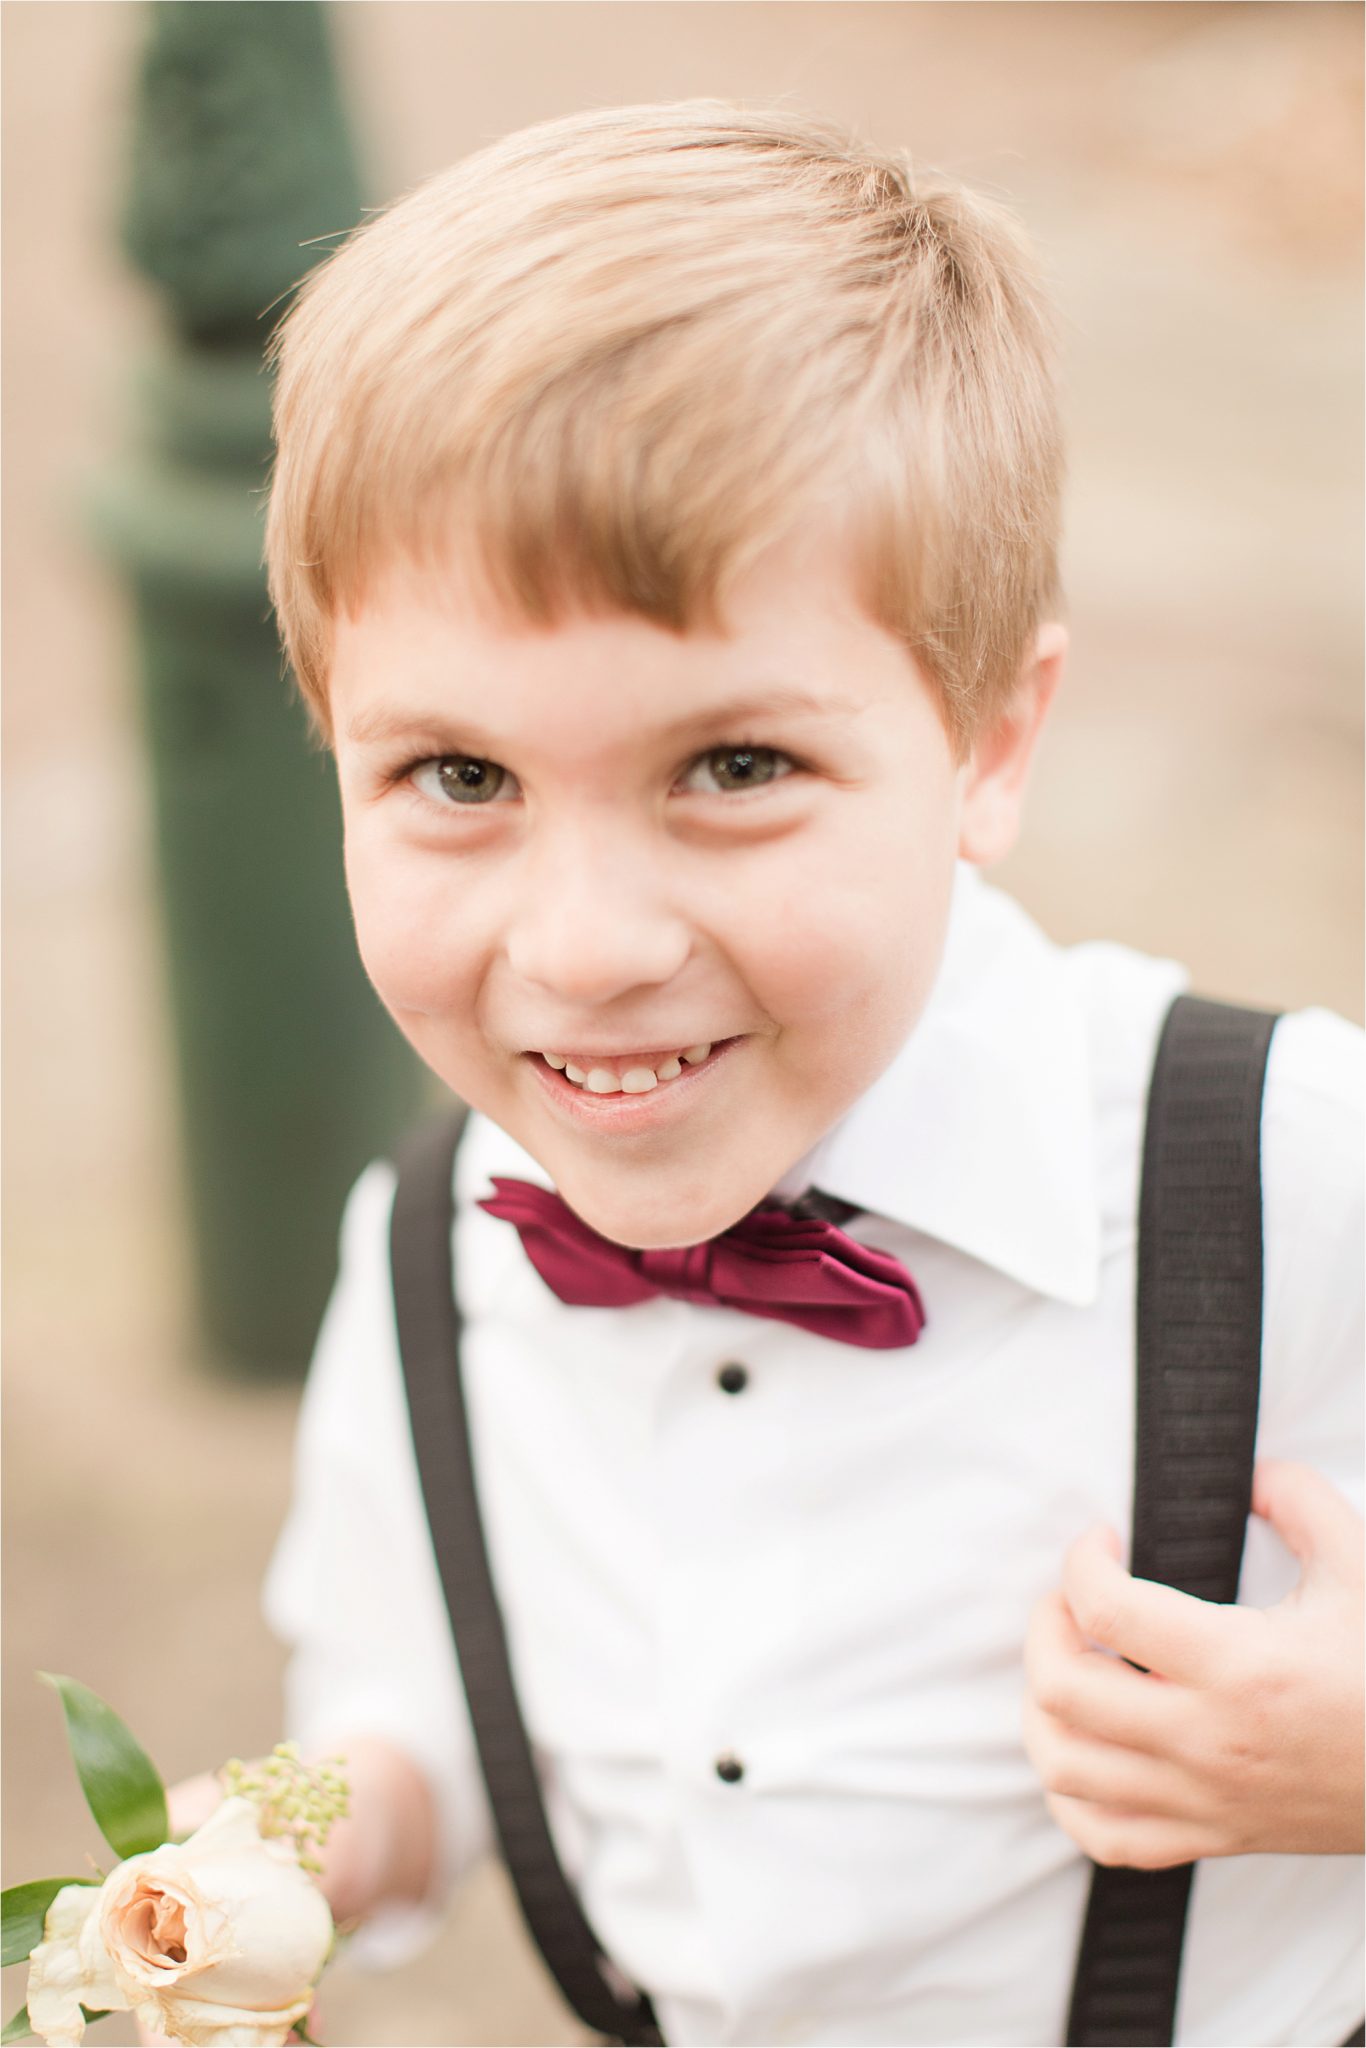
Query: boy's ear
x=997 y=772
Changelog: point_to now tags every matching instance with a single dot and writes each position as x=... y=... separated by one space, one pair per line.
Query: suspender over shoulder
x=429 y=1338
x=1199 y=1335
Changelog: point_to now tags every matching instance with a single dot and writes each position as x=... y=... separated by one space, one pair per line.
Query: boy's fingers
x=1077 y=1766
x=1313 y=1519
x=1087 y=1690
x=1131 y=1840
x=1153 y=1626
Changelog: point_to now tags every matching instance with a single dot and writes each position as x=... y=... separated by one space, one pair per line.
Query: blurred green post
x=291 y=1075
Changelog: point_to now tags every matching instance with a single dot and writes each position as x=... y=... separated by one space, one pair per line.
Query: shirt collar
x=981 y=1132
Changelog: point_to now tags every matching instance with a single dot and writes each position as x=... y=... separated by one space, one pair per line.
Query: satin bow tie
x=796 y=1269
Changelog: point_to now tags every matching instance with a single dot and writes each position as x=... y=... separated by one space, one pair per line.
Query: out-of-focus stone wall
x=1193 y=175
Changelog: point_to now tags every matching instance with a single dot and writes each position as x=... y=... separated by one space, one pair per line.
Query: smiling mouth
x=626 y=1074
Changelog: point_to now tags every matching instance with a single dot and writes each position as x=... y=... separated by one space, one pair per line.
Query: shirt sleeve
x=1314 y=1247
x=352 y=1588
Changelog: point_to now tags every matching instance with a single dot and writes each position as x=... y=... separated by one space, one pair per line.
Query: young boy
x=664 y=535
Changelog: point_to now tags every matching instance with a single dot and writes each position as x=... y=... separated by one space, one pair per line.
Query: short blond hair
x=624 y=351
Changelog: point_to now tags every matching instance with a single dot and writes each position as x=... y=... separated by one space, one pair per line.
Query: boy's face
x=613 y=844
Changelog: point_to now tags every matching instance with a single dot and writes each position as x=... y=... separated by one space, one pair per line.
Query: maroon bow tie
x=796 y=1269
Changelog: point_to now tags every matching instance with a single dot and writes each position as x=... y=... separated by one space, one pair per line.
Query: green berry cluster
x=292 y=1798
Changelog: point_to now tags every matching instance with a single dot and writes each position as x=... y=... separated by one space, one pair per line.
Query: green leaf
x=118 y=1778
x=23 y=1908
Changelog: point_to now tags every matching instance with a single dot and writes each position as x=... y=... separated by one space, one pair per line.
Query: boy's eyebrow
x=439 y=728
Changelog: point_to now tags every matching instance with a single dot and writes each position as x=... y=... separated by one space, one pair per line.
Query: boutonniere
x=220 y=1936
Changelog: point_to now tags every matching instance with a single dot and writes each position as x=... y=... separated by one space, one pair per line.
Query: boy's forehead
x=791 y=638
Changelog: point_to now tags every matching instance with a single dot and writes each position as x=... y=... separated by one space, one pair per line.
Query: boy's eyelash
x=404 y=771
x=792 y=764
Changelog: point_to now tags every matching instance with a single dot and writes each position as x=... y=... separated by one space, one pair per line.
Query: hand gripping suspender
x=1199 y=1330
x=1199 y=1359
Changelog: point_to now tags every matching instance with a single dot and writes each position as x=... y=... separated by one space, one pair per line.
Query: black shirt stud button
x=732 y=1378
x=729 y=1769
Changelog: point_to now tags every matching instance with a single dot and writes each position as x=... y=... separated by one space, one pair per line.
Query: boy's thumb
x=1314 y=1521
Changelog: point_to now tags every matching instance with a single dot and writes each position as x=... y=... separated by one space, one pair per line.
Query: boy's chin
x=665 y=1220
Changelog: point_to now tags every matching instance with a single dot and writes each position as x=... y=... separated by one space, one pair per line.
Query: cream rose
x=217 y=1941
x=69 y=1968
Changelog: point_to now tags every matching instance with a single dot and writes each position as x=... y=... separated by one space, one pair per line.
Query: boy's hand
x=190 y=1803
x=1242 y=1735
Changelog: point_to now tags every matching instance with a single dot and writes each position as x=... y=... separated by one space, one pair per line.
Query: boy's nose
x=592 y=929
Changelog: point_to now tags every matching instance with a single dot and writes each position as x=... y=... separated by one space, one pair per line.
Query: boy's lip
x=625 y=1112
x=618 y=1055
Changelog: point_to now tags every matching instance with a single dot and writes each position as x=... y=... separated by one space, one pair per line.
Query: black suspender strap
x=1199 y=1356
x=429 y=1340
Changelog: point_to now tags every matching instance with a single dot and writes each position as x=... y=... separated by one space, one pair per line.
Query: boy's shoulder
x=1109 y=1001
x=1313 y=1174
x=1313 y=1140
x=1121 y=996
x=1316 y=1069
x=1314 y=1244
x=1313 y=1145
x=1316 y=1075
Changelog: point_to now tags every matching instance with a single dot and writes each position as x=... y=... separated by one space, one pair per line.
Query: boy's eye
x=737 y=768
x=463 y=779
x=468 y=779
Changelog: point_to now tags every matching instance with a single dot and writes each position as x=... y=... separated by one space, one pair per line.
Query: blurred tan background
x=1192 y=173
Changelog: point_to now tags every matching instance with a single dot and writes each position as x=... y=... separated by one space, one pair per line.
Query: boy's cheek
x=414 y=958
x=868 y=962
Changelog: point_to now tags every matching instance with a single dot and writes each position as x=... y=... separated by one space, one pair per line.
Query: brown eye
x=461 y=779
x=727 y=769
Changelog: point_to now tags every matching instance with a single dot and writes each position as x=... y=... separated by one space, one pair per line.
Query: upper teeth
x=636 y=1080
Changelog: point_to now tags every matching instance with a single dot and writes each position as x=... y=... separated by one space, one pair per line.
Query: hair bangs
x=610 y=360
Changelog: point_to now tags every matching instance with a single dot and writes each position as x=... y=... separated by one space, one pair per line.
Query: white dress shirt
x=829 y=1573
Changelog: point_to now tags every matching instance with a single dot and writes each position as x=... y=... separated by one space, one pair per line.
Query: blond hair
x=623 y=351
